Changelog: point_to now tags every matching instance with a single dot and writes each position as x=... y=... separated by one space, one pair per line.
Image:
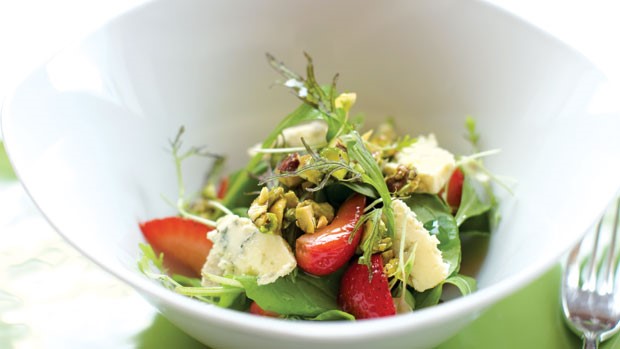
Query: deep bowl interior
x=88 y=131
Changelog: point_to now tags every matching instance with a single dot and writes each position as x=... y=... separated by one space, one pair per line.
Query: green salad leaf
x=437 y=219
x=473 y=202
x=465 y=284
x=329 y=315
x=295 y=295
x=152 y=265
x=372 y=174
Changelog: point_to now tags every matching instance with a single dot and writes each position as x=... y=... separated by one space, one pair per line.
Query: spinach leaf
x=445 y=229
x=362 y=188
x=465 y=285
x=474 y=201
x=429 y=297
x=303 y=295
x=480 y=224
x=437 y=219
x=332 y=315
x=428 y=207
x=248 y=185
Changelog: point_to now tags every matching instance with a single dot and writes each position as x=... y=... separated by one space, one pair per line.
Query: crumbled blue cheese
x=239 y=248
x=433 y=164
x=313 y=132
x=428 y=268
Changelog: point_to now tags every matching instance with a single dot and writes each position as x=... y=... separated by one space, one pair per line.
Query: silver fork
x=590 y=301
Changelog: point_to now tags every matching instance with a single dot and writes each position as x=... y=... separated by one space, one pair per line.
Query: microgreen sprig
x=181 y=204
x=372 y=174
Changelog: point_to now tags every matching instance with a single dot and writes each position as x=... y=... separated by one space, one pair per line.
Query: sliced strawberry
x=222 y=188
x=329 y=248
x=455 y=189
x=183 y=242
x=256 y=309
x=366 y=297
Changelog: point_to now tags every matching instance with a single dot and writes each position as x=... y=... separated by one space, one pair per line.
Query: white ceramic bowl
x=86 y=133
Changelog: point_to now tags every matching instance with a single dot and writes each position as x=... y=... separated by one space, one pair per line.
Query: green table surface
x=80 y=304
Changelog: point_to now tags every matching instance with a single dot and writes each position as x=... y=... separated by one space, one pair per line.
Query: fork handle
x=590 y=341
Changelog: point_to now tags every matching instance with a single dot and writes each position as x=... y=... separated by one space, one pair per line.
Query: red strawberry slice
x=222 y=188
x=366 y=297
x=256 y=309
x=328 y=249
x=183 y=242
x=455 y=189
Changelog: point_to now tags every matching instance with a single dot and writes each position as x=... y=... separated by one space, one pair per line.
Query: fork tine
x=610 y=265
x=589 y=270
x=572 y=267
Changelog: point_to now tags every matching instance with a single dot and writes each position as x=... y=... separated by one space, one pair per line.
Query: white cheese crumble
x=433 y=164
x=429 y=268
x=313 y=132
x=239 y=248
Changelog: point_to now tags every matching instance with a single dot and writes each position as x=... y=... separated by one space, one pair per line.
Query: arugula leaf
x=480 y=224
x=437 y=219
x=473 y=202
x=465 y=284
x=333 y=315
x=186 y=280
x=223 y=296
x=362 y=188
x=372 y=174
x=429 y=297
x=245 y=186
x=302 y=295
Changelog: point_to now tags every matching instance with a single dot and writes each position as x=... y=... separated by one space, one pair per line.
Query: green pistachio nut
x=311 y=175
x=336 y=154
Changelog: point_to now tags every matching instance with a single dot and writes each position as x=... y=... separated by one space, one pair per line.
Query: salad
x=326 y=221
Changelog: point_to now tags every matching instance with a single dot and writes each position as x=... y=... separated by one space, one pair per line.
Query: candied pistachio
x=311 y=175
x=400 y=179
x=268 y=223
x=380 y=244
x=387 y=255
x=390 y=268
x=336 y=154
x=269 y=209
x=278 y=210
x=305 y=218
x=256 y=210
x=291 y=199
x=263 y=197
x=288 y=165
x=312 y=215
